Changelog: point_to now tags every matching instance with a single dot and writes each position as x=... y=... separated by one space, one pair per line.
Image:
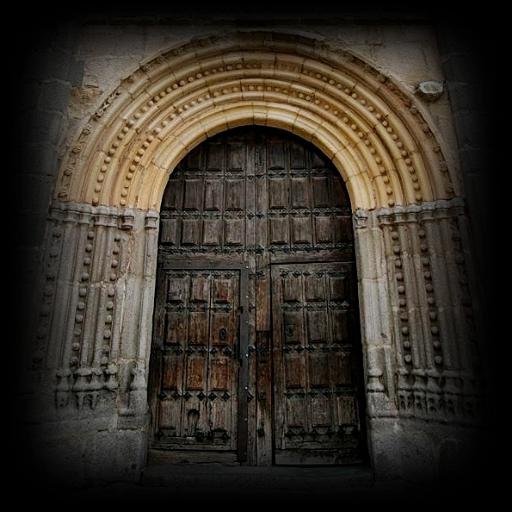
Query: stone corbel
x=151 y=220
x=63 y=388
x=360 y=219
x=127 y=221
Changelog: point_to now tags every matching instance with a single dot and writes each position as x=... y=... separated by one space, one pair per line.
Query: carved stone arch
x=418 y=329
x=368 y=125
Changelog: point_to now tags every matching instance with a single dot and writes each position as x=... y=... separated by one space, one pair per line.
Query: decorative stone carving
x=105 y=105
x=92 y=345
x=361 y=129
x=433 y=373
x=47 y=296
x=138 y=388
x=430 y=90
x=91 y=257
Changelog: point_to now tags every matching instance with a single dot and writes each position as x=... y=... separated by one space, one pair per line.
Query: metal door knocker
x=223 y=334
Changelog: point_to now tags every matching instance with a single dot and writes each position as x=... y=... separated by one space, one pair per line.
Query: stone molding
x=417 y=299
x=371 y=129
x=100 y=266
x=417 y=318
x=421 y=344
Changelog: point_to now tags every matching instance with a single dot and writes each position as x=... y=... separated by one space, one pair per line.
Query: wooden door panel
x=196 y=373
x=169 y=231
x=213 y=195
x=236 y=156
x=293 y=327
x=276 y=155
x=321 y=411
x=296 y=415
x=172 y=199
x=323 y=229
x=339 y=322
x=252 y=202
x=214 y=156
x=212 y=232
x=318 y=370
x=198 y=393
x=169 y=418
x=321 y=191
x=292 y=288
x=340 y=368
x=172 y=372
x=235 y=195
x=315 y=396
x=193 y=194
x=223 y=290
x=294 y=371
x=198 y=328
x=190 y=230
x=234 y=232
x=200 y=289
x=298 y=156
x=176 y=330
x=220 y=378
x=279 y=231
x=314 y=288
x=176 y=289
x=278 y=193
x=317 y=326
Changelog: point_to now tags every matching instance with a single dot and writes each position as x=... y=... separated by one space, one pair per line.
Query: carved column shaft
x=416 y=315
x=431 y=307
x=91 y=256
x=375 y=314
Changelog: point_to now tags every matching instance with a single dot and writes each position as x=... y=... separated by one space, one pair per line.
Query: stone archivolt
x=415 y=292
x=372 y=131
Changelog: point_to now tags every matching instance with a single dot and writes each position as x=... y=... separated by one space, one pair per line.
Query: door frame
x=168 y=262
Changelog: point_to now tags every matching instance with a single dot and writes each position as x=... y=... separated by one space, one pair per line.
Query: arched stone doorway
x=256 y=351
x=91 y=351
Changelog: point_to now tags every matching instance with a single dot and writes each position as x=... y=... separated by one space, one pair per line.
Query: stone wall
x=91 y=277
x=47 y=71
x=471 y=69
x=88 y=360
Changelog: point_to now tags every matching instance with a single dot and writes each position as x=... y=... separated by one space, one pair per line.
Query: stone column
x=419 y=336
x=90 y=357
x=91 y=351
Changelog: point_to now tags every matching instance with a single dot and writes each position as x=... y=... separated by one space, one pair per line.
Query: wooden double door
x=256 y=353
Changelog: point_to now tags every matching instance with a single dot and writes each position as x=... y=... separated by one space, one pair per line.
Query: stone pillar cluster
x=418 y=307
x=88 y=363
x=91 y=347
x=422 y=348
x=422 y=360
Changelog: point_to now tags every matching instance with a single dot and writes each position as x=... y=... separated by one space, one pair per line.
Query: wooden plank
x=278 y=362
x=264 y=398
x=251 y=262
x=263 y=303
